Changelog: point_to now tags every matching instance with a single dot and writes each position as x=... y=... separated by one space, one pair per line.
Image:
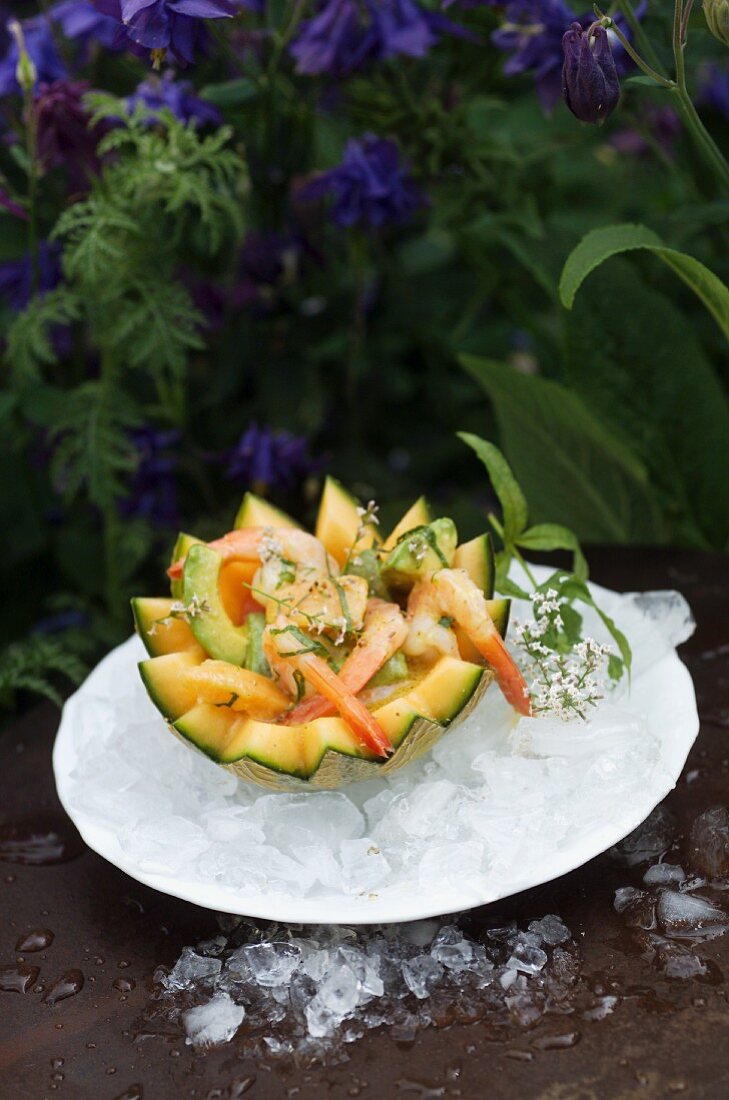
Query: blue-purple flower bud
x=590 y=84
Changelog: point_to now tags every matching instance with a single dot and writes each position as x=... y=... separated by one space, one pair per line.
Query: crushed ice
x=494 y=800
x=676 y=911
x=308 y=989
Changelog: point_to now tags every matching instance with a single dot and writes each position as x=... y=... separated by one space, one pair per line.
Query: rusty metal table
x=665 y=1038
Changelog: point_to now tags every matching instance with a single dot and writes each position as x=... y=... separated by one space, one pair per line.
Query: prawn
x=383 y=634
x=452 y=593
x=321 y=677
x=282 y=547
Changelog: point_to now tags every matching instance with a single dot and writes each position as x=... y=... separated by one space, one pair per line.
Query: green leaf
x=506 y=487
x=231 y=93
x=553 y=536
x=576 y=589
x=647 y=380
x=647 y=82
x=598 y=245
x=572 y=469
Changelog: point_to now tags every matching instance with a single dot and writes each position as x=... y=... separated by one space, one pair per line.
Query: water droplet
x=519 y=1055
x=36 y=940
x=58 y=1077
x=91 y=1046
x=123 y=985
x=557 y=1042
x=10 y=878
x=56 y=1063
x=39 y=841
x=123 y=964
x=110 y=1071
x=69 y=984
x=18 y=979
x=240 y=1086
x=99 y=960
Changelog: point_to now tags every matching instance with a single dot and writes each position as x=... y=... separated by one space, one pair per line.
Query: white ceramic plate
x=662 y=691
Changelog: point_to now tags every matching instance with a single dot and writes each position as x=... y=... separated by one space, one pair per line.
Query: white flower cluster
x=368 y=515
x=563 y=685
x=193 y=610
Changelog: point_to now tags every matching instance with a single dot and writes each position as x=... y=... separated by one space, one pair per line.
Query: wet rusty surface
x=91 y=938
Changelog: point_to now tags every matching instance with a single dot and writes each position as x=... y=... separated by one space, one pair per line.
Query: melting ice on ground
x=310 y=989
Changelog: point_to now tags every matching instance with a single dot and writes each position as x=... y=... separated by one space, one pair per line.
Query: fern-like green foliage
x=93 y=449
x=37 y=665
x=163 y=185
x=30 y=342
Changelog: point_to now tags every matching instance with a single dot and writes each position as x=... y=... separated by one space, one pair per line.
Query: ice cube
x=190 y=969
x=625 y=896
x=214 y=1022
x=451 y=948
x=419 y=932
x=551 y=929
x=271 y=964
x=364 y=867
x=689 y=916
x=710 y=839
x=607 y=728
x=165 y=844
x=684 y=966
x=336 y=998
x=604 y=1007
x=422 y=975
x=530 y=960
x=662 y=874
x=649 y=840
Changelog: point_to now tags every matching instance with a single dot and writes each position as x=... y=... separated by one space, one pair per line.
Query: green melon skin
x=421 y=551
x=324 y=754
x=211 y=627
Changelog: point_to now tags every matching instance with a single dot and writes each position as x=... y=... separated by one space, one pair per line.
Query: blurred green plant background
x=297 y=255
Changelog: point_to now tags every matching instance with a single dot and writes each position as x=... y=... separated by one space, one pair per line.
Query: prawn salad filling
x=326 y=657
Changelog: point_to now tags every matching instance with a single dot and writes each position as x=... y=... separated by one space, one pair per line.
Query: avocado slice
x=421 y=551
x=179 y=551
x=209 y=621
x=392 y=672
x=255 y=659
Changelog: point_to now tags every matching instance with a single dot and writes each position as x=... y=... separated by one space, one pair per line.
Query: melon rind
x=339 y=770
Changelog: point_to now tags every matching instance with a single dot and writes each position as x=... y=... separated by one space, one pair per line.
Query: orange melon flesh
x=417 y=515
x=237 y=599
x=218 y=682
x=168 y=687
x=338 y=522
x=160 y=638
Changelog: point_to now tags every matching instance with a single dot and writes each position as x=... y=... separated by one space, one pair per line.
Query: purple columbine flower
x=532 y=34
x=663 y=124
x=714 y=87
x=153 y=492
x=81 y=22
x=268 y=459
x=590 y=83
x=156 y=26
x=16 y=276
x=41 y=51
x=371 y=187
x=346 y=33
x=178 y=96
x=62 y=130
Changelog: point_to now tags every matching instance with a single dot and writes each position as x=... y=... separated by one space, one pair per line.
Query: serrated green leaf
x=600 y=244
x=506 y=487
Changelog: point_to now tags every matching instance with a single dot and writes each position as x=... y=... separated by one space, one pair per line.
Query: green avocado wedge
x=209 y=622
x=419 y=552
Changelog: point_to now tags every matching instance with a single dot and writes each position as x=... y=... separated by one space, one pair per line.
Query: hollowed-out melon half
x=323 y=754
